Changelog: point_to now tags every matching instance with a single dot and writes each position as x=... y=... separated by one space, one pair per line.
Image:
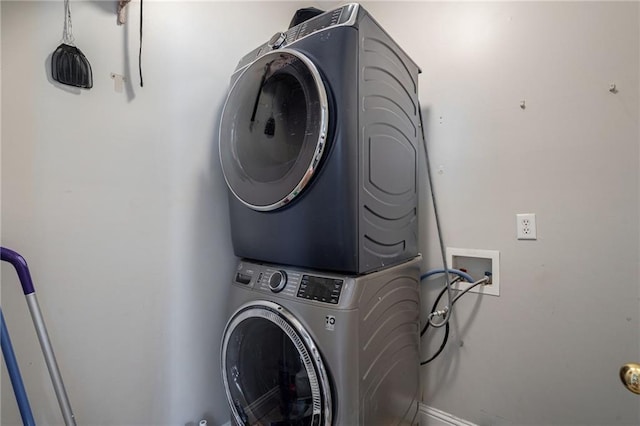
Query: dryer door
x=272 y=370
x=273 y=129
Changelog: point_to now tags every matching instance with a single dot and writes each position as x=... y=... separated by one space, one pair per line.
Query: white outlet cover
x=526 y=226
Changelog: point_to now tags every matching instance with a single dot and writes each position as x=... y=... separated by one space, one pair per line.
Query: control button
x=277 y=40
x=278 y=281
x=243 y=278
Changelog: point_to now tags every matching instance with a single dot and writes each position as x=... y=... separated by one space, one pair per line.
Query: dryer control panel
x=290 y=283
x=328 y=19
x=342 y=16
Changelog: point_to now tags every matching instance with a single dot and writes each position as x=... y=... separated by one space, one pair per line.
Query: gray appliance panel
x=389 y=146
x=369 y=341
x=359 y=213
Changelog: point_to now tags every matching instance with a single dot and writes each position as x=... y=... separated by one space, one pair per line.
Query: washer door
x=273 y=129
x=272 y=370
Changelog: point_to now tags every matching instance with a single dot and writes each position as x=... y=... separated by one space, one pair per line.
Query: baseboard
x=430 y=416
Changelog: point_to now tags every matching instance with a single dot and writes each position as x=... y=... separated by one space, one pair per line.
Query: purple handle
x=22 y=269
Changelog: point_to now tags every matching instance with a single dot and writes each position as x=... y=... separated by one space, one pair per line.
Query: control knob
x=277 y=40
x=278 y=281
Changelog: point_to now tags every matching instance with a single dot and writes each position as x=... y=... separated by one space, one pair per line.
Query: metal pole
x=50 y=359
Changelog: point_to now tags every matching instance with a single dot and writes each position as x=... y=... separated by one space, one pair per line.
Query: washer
x=309 y=348
x=318 y=145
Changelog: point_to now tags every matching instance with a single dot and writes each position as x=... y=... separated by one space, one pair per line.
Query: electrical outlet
x=526 y=226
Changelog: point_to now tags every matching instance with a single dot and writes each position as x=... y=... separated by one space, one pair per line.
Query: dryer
x=319 y=147
x=308 y=348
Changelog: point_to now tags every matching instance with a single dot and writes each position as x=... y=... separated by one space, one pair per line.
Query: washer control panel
x=322 y=289
x=290 y=283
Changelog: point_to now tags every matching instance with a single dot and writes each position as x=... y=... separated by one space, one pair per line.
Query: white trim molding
x=430 y=416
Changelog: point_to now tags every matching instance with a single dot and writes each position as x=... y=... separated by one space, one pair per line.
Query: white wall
x=548 y=350
x=118 y=203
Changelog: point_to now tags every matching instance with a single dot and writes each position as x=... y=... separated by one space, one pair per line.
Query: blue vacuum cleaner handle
x=22 y=269
x=14 y=374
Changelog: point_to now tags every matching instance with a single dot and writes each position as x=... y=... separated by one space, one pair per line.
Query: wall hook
x=523 y=104
x=118 y=82
x=613 y=88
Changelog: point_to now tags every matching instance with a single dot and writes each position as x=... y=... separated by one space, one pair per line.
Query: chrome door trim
x=320 y=143
x=301 y=339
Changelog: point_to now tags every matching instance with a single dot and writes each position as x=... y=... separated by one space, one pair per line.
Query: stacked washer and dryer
x=319 y=148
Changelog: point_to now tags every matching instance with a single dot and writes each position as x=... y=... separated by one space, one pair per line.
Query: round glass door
x=273 y=129
x=272 y=370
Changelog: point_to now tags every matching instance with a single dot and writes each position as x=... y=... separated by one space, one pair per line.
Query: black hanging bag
x=68 y=64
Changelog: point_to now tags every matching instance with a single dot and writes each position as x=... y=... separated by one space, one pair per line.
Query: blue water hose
x=14 y=374
x=457 y=272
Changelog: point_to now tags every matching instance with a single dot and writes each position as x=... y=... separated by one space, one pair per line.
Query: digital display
x=320 y=288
